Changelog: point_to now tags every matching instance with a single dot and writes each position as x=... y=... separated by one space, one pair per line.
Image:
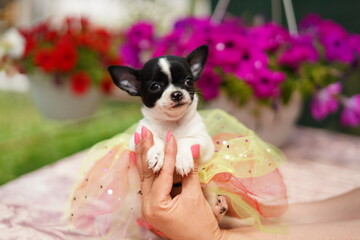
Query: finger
x=147 y=176
x=191 y=182
x=163 y=183
x=142 y=145
x=137 y=150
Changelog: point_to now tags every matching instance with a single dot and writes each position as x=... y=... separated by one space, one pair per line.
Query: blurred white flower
x=12 y=44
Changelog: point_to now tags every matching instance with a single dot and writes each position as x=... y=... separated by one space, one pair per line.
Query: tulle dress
x=105 y=200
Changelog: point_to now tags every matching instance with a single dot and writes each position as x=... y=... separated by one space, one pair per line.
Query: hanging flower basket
x=67 y=65
x=274 y=124
x=56 y=99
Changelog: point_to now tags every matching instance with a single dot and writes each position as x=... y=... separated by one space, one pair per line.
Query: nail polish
x=132 y=157
x=136 y=138
x=195 y=149
x=143 y=132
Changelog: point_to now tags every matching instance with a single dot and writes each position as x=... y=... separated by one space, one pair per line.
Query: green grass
x=29 y=141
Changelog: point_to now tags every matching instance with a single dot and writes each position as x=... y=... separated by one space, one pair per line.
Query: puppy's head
x=165 y=84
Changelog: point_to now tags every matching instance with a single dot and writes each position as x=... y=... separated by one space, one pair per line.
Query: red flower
x=80 y=83
x=106 y=84
x=112 y=60
x=51 y=36
x=30 y=42
x=84 y=23
x=44 y=58
x=84 y=39
x=101 y=40
x=65 y=54
x=41 y=28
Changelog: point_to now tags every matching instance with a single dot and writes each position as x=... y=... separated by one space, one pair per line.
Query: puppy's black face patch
x=167 y=81
x=182 y=77
x=159 y=73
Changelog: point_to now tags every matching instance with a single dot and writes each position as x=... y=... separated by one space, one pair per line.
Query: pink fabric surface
x=31 y=206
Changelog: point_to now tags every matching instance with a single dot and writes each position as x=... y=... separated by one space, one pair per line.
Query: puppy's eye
x=189 y=82
x=155 y=87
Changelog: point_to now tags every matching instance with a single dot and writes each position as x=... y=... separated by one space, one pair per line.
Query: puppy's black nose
x=177 y=96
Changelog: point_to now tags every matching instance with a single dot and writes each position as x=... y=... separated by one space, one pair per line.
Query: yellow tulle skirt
x=105 y=200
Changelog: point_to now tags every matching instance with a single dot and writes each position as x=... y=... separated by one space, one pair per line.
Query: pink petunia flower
x=350 y=116
x=325 y=101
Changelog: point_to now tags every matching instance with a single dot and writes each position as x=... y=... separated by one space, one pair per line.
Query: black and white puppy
x=166 y=86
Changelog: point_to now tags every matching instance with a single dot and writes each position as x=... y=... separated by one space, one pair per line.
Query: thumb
x=191 y=182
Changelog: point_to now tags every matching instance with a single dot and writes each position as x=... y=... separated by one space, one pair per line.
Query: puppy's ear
x=197 y=60
x=126 y=79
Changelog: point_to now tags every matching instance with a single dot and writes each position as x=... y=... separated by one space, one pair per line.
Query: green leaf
x=236 y=89
x=287 y=89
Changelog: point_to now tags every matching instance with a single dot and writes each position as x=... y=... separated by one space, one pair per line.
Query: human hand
x=187 y=215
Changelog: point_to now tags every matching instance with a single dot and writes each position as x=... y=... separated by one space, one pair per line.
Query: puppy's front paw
x=155 y=157
x=220 y=208
x=184 y=162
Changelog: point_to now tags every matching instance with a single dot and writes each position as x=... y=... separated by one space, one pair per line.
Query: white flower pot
x=272 y=124
x=57 y=101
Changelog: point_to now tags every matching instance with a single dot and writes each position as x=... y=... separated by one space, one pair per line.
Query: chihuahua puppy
x=166 y=86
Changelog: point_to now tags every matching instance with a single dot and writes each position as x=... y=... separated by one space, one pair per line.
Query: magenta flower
x=141 y=35
x=325 y=101
x=337 y=48
x=310 y=22
x=301 y=50
x=269 y=36
x=187 y=34
x=350 y=116
x=332 y=36
x=193 y=41
x=335 y=40
x=130 y=55
x=354 y=41
x=169 y=44
x=227 y=49
x=251 y=61
x=209 y=84
x=264 y=82
x=267 y=83
x=199 y=24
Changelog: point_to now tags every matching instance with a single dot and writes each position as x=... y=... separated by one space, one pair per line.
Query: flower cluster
x=139 y=39
x=338 y=49
x=75 y=49
x=262 y=62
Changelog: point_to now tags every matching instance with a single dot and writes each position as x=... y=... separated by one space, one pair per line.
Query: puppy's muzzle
x=177 y=96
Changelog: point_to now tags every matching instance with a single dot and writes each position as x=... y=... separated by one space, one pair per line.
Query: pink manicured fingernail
x=143 y=132
x=132 y=157
x=195 y=149
x=168 y=136
x=136 y=138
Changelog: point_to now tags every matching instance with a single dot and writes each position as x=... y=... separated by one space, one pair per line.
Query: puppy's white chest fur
x=189 y=130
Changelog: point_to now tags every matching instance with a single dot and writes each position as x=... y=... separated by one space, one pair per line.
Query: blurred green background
x=29 y=141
